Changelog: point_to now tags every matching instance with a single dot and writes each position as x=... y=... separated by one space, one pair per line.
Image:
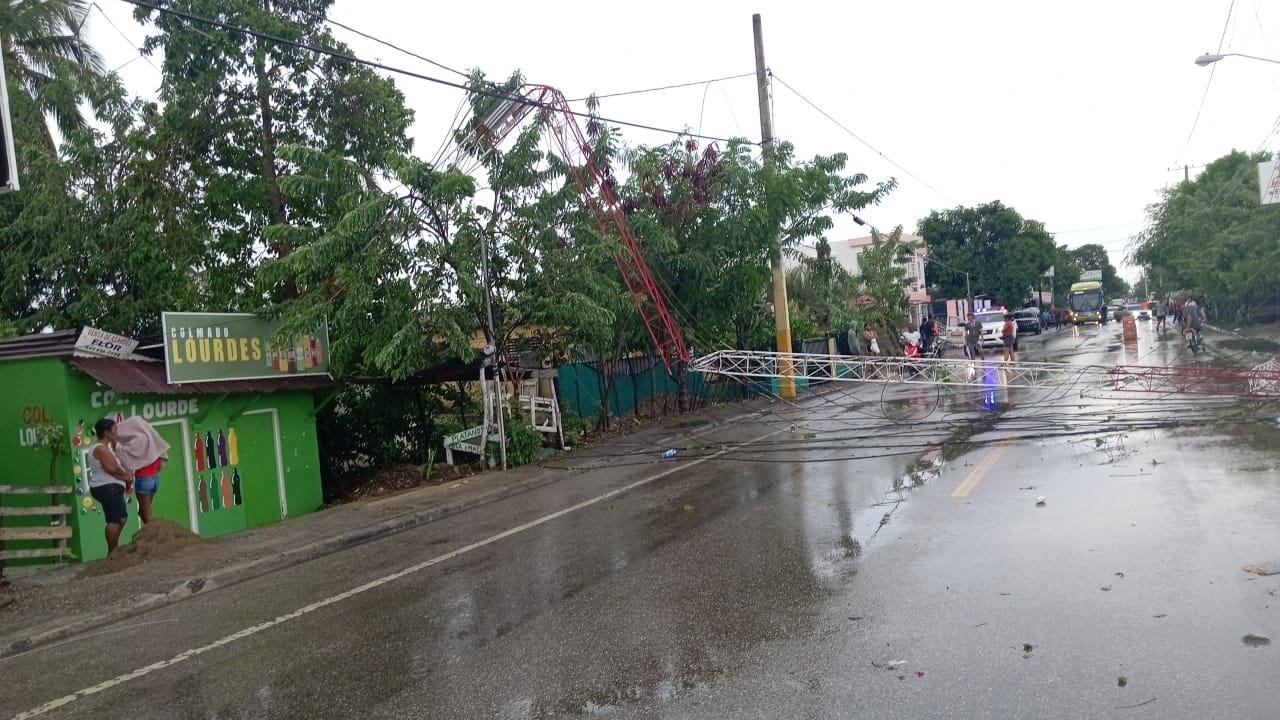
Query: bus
x=1085 y=300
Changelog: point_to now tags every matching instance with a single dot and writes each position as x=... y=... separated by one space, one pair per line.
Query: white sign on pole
x=1269 y=181
x=100 y=342
x=1048 y=273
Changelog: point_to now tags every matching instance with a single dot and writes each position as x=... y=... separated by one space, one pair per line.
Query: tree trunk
x=270 y=174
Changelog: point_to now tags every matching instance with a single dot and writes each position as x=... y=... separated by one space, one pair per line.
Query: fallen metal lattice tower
x=961 y=372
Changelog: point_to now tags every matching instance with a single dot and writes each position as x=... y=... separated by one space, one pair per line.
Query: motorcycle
x=1195 y=343
x=937 y=348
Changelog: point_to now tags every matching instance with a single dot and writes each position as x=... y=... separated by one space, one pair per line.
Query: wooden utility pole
x=782 y=320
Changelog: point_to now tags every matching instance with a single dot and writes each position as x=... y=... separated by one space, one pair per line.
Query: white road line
x=372 y=584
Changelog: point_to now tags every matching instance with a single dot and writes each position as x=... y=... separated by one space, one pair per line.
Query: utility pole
x=782 y=320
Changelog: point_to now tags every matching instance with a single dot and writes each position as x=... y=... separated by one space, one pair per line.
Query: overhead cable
x=190 y=17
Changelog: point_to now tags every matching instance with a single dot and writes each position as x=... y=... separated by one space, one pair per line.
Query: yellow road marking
x=984 y=467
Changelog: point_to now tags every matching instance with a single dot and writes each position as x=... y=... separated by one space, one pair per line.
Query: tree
x=1211 y=237
x=821 y=288
x=101 y=239
x=231 y=101
x=883 y=277
x=1004 y=253
x=1095 y=257
x=49 y=66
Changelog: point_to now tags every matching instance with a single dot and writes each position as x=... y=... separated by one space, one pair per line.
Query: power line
x=1208 y=83
x=854 y=135
x=660 y=88
x=386 y=43
x=120 y=32
x=407 y=73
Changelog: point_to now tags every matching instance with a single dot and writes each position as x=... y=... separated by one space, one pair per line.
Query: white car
x=1138 y=312
x=992 y=321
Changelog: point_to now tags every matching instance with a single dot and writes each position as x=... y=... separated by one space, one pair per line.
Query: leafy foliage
x=883 y=277
x=1211 y=237
x=1004 y=253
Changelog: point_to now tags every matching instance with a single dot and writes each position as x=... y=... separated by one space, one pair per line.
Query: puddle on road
x=1249 y=344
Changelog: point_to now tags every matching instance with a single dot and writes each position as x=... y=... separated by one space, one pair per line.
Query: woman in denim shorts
x=109 y=482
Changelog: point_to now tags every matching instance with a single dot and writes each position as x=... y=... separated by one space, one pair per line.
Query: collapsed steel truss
x=1263 y=380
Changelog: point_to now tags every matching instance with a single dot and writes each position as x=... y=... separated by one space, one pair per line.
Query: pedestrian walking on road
x=1162 y=311
x=1009 y=336
x=972 y=337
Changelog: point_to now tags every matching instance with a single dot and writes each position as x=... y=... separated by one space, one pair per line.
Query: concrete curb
x=235 y=574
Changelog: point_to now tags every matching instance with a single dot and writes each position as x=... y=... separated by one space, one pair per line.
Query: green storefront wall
x=236 y=461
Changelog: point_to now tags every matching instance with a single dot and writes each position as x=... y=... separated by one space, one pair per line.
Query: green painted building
x=243 y=451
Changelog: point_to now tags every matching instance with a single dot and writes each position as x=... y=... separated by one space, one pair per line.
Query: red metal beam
x=597 y=193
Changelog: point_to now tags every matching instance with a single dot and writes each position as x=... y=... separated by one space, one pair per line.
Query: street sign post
x=458 y=441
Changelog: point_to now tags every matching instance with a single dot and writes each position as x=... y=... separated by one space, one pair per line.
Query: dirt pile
x=159 y=539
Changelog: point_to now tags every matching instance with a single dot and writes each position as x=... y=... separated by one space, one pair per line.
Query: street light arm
x=1211 y=58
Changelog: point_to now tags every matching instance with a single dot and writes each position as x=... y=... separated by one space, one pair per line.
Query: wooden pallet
x=58 y=530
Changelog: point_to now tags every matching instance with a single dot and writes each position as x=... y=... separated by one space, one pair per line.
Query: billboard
x=1269 y=181
x=205 y=347
x=1091 y=276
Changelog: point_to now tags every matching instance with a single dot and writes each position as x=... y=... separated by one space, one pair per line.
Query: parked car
x=992 y=321
x=1138 y=312
x=1028 y=321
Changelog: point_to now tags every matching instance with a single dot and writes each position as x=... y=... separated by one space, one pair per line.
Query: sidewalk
x=50 y=603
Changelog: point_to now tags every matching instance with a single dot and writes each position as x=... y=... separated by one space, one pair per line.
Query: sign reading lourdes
x=204 y=347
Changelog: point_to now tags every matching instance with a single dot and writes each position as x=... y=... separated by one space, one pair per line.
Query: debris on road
x=1123 y=681
x=1255 y=640
x=1026 y=650
x=1106 y=588
x=1262 y=571
x=1040 y=501
x=159 y=539
x=1138 y=705
x=688 y=508
x=1119 y=574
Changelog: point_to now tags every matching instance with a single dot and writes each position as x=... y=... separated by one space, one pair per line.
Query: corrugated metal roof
x=135 y=377
x=51 y=344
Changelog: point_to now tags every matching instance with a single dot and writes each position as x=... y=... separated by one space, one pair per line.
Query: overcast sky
x=1072 y=113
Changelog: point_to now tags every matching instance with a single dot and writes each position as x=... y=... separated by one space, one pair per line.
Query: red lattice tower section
x=1261 y=381
x=596 y=188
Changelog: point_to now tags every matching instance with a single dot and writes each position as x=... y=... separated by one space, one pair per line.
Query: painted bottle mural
x=210 y=457
x=224 y=488
x=203 y=489
x=233 y=447
x=222 y=449
x=215 y=497
x=236 y=497
x=303 y=354
x=79 y=436
x=199 y=453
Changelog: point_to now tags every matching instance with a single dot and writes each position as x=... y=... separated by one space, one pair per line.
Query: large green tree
x=1094 y=256
x=1212 y=237
x=231 y=101
x=1004 y=253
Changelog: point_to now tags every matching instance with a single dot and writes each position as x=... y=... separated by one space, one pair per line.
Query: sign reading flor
x=203 y=347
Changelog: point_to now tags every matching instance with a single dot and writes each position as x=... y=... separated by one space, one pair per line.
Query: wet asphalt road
x=809 y=570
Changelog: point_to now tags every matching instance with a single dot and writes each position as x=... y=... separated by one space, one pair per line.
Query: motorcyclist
x=928 y=331
x=1192 y=318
